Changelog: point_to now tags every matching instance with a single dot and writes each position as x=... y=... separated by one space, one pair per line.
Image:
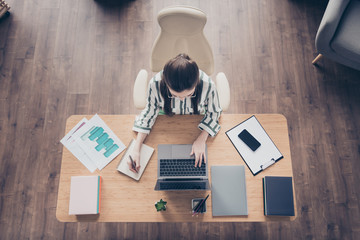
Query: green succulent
x=160 y=206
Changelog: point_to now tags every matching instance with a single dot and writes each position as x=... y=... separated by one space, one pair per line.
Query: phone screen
x=249 y=140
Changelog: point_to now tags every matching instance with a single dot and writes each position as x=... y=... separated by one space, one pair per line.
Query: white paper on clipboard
x=263 y=157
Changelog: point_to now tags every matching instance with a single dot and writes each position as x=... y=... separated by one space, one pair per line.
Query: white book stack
x=85 y=195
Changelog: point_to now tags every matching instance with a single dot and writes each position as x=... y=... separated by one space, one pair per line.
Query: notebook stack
x=278 y=196
x=85 y=195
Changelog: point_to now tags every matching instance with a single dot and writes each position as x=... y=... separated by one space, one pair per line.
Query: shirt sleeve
x=146 y=119
x=210 y=122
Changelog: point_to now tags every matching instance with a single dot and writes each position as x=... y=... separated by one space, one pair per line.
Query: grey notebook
x=228 y=191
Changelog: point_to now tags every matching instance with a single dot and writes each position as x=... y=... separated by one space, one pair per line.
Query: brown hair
x=180 y=74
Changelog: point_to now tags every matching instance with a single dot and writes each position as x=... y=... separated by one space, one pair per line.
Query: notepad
x=85 y=195
x=228 y=191
x=278 y=196
x=145 y=155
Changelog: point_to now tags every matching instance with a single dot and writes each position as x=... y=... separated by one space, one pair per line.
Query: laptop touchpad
x=181 y=151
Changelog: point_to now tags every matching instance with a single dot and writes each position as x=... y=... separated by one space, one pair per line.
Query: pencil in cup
x=200 y=207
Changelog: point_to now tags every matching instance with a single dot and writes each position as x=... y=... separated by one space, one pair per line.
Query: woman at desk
x=181 y=88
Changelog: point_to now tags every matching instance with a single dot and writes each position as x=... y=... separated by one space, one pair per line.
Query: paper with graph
x=69 y=142
x=97 y=141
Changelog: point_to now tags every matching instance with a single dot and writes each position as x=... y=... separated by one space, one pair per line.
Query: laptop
x=176 y=169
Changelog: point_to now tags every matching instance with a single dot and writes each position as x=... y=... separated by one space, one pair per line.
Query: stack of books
x=85 y=194
x=278 y=196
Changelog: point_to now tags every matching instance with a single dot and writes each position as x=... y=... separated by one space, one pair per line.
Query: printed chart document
x=93 y=143
x=265 y=155
x=145 y=155
x=69 y=142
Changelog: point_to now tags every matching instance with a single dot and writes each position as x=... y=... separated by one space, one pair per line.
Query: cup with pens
x=198 y=205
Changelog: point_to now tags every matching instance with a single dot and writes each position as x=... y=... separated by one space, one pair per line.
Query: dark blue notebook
x=278 y=196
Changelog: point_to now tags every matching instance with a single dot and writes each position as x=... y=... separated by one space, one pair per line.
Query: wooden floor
x=65 y=57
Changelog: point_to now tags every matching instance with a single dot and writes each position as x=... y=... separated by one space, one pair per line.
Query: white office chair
x=181 y=32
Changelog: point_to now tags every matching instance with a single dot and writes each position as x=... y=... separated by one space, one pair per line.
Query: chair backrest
x=182 y=32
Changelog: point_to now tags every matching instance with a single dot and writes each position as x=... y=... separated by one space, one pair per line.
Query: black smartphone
x=249 y=140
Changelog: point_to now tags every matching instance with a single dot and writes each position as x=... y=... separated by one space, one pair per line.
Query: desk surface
x=126 y=200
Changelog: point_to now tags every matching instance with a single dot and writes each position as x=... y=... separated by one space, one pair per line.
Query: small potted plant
x=160 y=205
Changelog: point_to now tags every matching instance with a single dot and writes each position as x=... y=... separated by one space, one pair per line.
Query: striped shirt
x=209 y=106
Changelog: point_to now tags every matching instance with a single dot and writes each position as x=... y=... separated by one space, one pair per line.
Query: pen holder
x=195 y=201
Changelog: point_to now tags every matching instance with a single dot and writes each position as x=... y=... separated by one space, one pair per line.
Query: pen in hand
x=133 y=164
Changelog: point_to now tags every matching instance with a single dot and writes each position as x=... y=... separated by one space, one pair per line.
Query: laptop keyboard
x=181 y=167
x=182 y=185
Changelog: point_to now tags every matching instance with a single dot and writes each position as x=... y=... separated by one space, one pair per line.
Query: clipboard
x=265 y=155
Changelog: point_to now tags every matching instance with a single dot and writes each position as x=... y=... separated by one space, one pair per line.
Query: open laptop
x=176 y=169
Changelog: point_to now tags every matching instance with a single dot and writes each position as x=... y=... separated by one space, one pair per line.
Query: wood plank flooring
x=65 y=57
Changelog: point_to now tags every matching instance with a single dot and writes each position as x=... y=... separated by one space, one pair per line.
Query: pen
x=202 y=204
x=133 y=164
x=199 y=206
x=196 y=206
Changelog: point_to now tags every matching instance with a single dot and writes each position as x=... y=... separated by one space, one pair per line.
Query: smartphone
x=249 y=140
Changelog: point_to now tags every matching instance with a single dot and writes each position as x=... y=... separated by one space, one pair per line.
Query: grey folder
x=228 y=190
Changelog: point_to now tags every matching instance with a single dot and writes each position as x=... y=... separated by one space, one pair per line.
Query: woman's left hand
x=198 y=149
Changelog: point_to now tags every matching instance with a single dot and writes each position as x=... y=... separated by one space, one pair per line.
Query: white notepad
x=145 y=155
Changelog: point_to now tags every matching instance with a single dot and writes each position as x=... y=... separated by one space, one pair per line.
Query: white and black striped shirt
x=209 y=106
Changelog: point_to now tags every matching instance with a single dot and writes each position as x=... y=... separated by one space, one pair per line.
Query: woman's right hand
x=136 y=157
x=135 y=153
